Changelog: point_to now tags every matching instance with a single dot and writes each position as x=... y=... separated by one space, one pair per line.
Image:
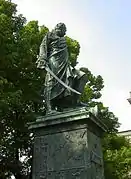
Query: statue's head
x=60 y=29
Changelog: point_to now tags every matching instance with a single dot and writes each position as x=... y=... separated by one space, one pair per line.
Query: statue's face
x=60 y=31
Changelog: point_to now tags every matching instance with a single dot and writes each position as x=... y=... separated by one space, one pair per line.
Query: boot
x=49 y=108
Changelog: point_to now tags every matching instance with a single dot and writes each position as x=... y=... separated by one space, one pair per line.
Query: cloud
x=117 y=102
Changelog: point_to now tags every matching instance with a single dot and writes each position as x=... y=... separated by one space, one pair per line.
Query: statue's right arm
x=42 y=58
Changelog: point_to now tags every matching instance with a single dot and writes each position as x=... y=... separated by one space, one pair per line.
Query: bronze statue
x=63 y=83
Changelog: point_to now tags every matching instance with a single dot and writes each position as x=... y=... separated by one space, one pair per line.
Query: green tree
x=74 y=50
x=19 y=88
x=20 y=84
x=117 y=157
x=91 y=96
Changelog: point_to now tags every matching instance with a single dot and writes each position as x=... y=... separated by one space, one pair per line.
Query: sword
x=60 y=81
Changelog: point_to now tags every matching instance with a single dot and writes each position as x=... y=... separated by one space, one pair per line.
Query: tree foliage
x=19 y=88
x=20 y=84
x=117 y=157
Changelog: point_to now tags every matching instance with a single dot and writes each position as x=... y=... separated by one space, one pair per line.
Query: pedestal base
x=68 y=146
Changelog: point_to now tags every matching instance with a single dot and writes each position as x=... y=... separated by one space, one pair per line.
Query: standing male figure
x=54 y=54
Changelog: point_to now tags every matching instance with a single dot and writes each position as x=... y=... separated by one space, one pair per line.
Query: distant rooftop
x=125 y=133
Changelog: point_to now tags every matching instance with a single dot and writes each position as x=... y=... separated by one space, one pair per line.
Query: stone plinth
x=68 y=146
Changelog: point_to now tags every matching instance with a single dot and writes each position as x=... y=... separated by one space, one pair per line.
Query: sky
x=103 y=30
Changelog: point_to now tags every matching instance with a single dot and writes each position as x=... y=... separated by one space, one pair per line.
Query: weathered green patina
x=68 y=146
x=63 y=83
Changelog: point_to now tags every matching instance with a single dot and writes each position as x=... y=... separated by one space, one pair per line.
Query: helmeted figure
x=53 y=56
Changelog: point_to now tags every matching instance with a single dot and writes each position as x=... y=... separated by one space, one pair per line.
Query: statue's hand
x=41 y=63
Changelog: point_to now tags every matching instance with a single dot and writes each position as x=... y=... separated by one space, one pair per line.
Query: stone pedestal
x=68 y=146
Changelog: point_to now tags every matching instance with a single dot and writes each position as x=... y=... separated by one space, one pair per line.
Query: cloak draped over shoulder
x=54 y=53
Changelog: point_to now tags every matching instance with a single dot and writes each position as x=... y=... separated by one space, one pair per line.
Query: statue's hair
x=60 y=26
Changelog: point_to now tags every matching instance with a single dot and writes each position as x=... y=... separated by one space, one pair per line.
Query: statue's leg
x=48 y=102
